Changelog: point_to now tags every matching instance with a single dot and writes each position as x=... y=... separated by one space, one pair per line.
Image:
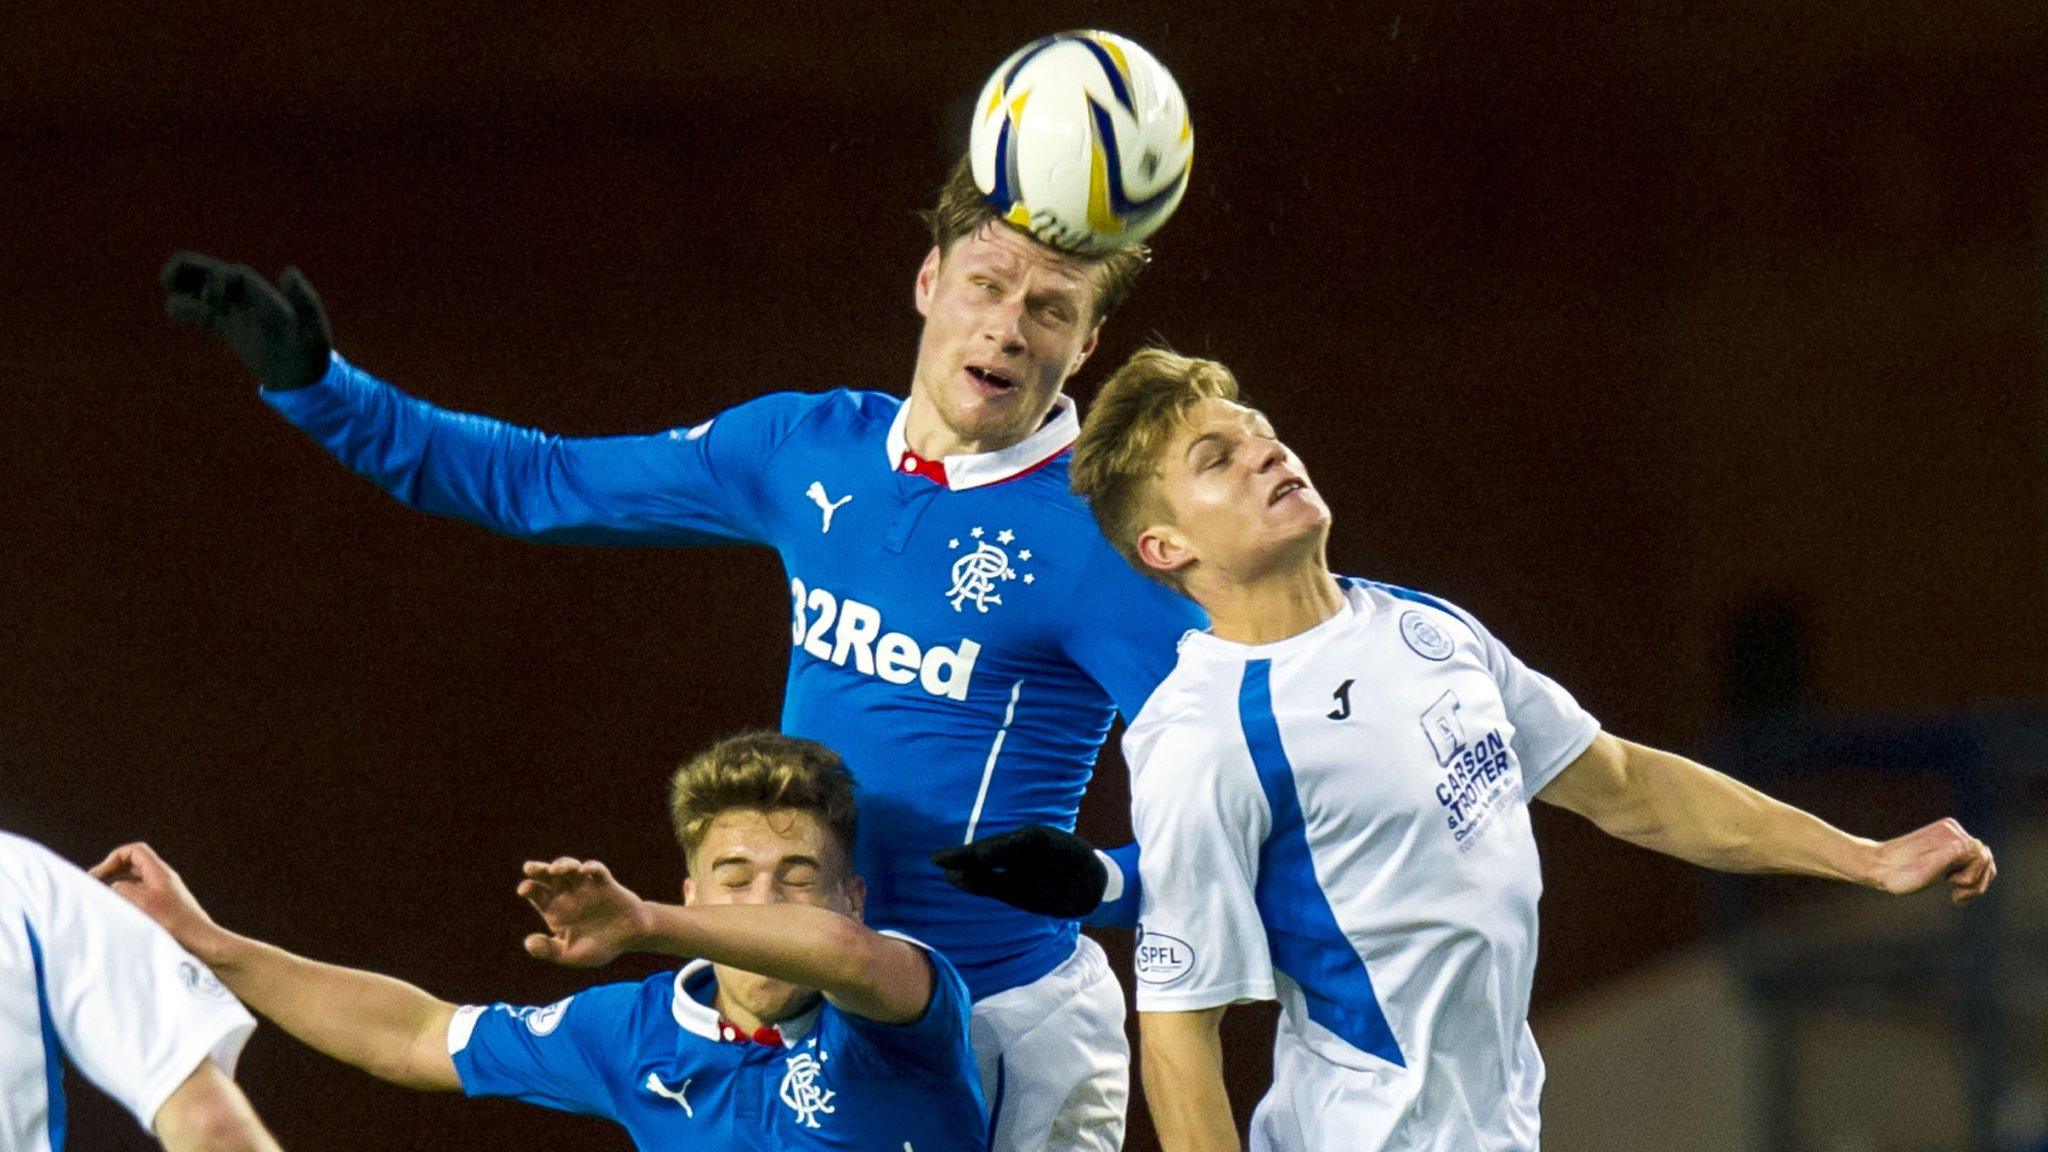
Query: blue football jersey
x=649 y=1057
x=962 y=645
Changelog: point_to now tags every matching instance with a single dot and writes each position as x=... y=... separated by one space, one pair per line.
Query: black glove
x=1038 y=869
x=281 y=335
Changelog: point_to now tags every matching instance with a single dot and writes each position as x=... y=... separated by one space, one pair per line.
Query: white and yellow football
x=1083 y=140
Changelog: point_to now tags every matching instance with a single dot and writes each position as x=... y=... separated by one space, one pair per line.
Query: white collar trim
x=980 y=469
x=700 y=1019
x=1355 y=607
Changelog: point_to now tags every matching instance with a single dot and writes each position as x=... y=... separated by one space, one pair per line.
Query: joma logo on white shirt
x=836 y=630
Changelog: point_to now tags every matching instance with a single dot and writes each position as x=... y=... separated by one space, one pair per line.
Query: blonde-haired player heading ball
x=1330 y=792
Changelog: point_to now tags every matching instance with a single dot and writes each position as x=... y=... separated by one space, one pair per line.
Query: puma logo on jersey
x=839 y=631
x=817 y=494
x=655 y=1086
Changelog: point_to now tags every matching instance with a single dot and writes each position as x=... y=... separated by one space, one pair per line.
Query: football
x=1083 y=140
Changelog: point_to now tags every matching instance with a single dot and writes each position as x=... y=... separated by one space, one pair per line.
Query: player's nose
x=1003 y=324
x=763 y=890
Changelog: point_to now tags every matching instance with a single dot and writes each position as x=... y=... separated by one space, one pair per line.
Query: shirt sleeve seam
x=819 y=402
x=1532 y=784
x=196 y=1046
x=1198 y=999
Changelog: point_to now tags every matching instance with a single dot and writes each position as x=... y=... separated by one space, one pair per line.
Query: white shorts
x=1055 y=1066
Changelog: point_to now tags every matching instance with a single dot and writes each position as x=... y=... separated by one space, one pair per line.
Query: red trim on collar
x=935 y=470
x=766 y=1035
x=1023 y=472
x=914 y=465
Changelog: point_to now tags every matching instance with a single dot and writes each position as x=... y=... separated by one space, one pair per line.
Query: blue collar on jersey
x=980 y=469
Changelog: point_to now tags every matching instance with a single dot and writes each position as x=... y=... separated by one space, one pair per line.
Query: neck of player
x=777 y=1008
x=926 y=433
x=1264 y=607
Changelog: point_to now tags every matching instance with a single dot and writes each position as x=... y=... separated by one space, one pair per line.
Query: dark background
x=1621 y=325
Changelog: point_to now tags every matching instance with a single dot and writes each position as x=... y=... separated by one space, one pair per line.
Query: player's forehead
x=996 y=247
x=1213 y=417
x=764 y=838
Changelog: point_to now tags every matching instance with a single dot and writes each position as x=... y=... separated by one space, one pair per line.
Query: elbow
x=426 y=1064
x=854 y=953
x=883 y=978
x=210 y=1114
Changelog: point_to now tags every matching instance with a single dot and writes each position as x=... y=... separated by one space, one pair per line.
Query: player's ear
x=1087 y=348
x=1164 y=549
x=857 y=899
x=927 y=276
x=689 y=890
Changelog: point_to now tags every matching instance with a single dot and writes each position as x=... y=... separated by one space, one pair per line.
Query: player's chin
x=1296 y=520
x=773 y=999
x=1308 y=528
x=998 y=419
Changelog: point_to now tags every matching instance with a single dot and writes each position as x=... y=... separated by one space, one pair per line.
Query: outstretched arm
x=673 y=487
x=592 y=919
x=1672 y=805
x=386 y=1027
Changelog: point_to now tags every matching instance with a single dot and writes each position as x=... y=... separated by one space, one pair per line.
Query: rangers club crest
x=979 y=575
x=801 y=1090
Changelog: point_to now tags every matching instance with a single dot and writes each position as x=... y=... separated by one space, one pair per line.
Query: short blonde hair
x=767 y=771
x=962 y=211
x=1116 y=461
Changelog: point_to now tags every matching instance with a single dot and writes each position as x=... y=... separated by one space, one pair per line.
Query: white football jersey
x=1339 y=821
x=84 y=975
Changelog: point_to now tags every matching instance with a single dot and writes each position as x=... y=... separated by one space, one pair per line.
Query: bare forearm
x=384 y=1026
x=1181 y=1063
x=1672 y=805
x=861 y=970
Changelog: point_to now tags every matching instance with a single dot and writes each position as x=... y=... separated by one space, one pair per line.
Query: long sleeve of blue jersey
x=1125 y=634
x=1124 y=629
x=697 y=485
x=1124 y=893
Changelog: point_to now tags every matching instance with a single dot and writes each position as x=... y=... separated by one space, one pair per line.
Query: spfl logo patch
x=1428 y=640
x=1162 y=959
